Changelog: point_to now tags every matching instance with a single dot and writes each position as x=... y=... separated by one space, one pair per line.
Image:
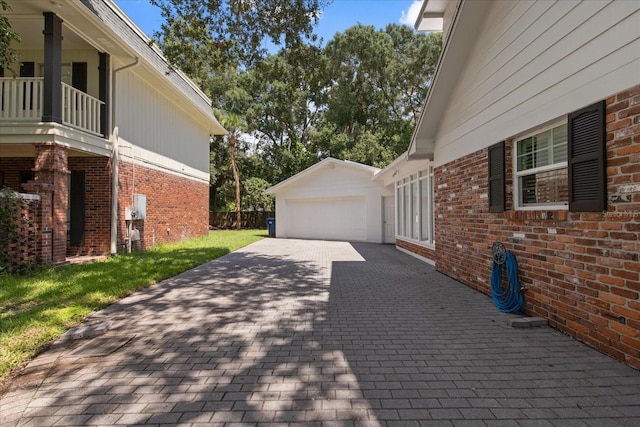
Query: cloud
x=409 y=18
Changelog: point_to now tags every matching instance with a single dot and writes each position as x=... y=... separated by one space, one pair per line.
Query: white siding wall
x=68 y=56
x=148 y=119
x=534 y=62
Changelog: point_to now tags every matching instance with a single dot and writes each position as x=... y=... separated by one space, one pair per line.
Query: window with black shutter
x=587 y=159
x=79 y=76
x=496 y=178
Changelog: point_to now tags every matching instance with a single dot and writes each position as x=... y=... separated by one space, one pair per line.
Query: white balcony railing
x=21 y=99
x=80 y=110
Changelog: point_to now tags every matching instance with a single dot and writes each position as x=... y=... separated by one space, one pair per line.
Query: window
x=541 y=178
x=414 y=207
x=559 y=166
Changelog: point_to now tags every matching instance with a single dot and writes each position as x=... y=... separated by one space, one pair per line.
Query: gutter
x=115 y=158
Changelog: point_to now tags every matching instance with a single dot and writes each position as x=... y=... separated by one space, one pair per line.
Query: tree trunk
x=236 y=178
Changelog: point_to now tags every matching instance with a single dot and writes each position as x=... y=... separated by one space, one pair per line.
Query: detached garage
x=332 y=200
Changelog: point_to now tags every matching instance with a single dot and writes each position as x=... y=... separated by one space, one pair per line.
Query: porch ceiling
x=27 y=15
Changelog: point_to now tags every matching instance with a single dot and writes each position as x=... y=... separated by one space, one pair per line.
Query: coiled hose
x=510 y=300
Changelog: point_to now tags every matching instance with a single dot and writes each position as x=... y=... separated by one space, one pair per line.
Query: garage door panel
x=330 y=218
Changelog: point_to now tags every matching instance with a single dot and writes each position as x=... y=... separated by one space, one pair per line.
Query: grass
x=36 y=309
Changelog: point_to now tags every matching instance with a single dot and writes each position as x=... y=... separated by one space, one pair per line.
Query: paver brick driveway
x=330 y=333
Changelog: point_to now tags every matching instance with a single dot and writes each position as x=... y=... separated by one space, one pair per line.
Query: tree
x=8 y=55
x=379 y=80
x=285 y=90
x=205 y=37
x=254 y=196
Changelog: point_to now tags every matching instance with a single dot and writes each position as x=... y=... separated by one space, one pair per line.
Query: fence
x=227 y=220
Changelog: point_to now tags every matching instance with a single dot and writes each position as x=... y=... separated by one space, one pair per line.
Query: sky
x=337 y=17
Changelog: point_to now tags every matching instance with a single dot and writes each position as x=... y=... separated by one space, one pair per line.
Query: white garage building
x=335 y=200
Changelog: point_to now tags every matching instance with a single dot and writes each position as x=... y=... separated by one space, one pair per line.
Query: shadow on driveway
x=327 y=333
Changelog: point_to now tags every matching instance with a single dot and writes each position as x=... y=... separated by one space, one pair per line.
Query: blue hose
x=509 y=300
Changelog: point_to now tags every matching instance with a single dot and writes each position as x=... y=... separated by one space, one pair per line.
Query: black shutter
x=27 y=69
x=587 y=159
x=103 y=92
x=496 y=178
x=26 y=176
x=76 y=208
x=79 y=76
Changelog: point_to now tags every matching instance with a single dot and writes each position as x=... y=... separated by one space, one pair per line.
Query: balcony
x=21 y=99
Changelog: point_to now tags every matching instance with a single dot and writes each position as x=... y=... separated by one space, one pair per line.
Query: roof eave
x=466 y=20
x=311 y=169
x=431 y=16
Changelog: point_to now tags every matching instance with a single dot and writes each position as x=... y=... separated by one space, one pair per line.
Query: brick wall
x=416 y=249
x=97 y=234
x=20 y=246
x=12 y=167
x=582 y=270
x=177 y=208
x=51 y=166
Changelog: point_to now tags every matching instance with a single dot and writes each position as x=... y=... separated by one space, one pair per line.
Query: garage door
x=327 y=218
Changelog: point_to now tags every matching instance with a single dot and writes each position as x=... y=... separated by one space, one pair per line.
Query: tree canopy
x=8 y=54
x=292 y=100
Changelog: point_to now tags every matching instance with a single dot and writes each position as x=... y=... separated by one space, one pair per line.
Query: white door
x=389 y=219
x=341 y=218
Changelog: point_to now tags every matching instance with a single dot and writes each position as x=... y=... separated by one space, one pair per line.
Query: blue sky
x=337 y=17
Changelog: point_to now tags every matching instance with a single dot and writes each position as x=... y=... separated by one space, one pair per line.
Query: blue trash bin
x=271 y=226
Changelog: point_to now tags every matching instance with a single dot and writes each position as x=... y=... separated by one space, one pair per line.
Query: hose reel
x=510 y=299
x=499 y=253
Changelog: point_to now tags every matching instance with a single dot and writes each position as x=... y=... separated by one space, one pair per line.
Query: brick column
x=43 y=219
x=51 y=167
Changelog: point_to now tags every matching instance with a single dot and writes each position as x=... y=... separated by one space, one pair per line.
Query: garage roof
x=328 y=162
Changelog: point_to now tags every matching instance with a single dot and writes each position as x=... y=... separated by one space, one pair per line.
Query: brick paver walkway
x=320 y=333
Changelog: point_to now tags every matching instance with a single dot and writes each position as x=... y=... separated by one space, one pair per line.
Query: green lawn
x=37 y=308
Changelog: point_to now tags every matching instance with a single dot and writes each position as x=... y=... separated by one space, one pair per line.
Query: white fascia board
x=466 y=21
x=401 y=167
x=151 y=57
x=391 y=168
x=431 y=16
x=143 y=157
x=78 y=140
x=311 y=169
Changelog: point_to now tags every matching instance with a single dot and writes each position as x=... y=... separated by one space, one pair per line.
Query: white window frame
x=517 y=203
x=404 y=190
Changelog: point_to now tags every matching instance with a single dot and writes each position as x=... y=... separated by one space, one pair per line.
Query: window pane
x=432 y=221
x=425 y=201
x=407 y=211
x=544 y=149
x=525 y=154
x=560 y=144
x=415 y=213
x=544 y=187
x=399 y=225
x=541 y=151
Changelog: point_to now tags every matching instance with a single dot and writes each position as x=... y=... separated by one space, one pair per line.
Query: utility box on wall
x=140 y=206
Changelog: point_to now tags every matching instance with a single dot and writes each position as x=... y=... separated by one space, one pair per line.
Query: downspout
x=115 y=158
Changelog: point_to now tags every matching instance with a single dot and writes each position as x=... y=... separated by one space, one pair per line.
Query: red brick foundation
x=177 y=207
x=416 y=249
x=582 y=270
